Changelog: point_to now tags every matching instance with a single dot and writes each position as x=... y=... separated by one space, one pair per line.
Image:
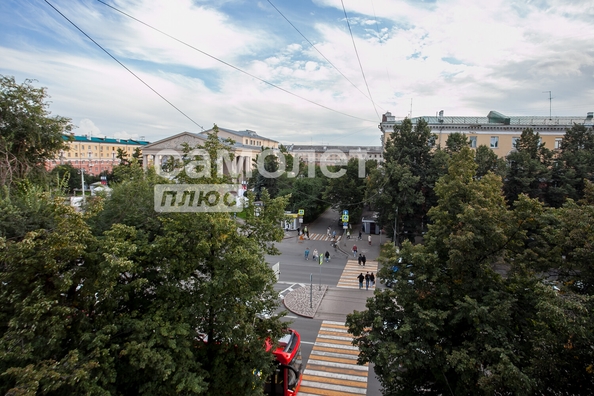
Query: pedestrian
x=334 y=234
x=354 y=250
x=361 y=278
x=372 y=279
x=360 y=259
x=298 y=231
x=348 y=234
x=315 y=254
x=327 y=254
x=360 y=235
x=363 y=259
x=369 y=239
x=328 y=232
x=307 y=253
x=367 y=281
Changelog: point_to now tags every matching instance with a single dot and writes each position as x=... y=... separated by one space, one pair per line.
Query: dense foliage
x=29 y=136
x=122 y=300
x=472 y=311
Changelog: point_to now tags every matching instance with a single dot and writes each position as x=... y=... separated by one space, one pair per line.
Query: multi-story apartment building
x=94 y=154
x=496 y=131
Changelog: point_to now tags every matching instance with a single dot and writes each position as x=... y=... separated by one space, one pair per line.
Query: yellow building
x=94 y=154
x=496 y=131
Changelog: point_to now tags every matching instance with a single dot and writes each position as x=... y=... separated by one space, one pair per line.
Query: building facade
x=248 y=144
x=95 y=155
x=334 y=155
x=496 y=131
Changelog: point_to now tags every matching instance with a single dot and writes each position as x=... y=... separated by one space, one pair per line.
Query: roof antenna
x=410 y=114
x=550 y=102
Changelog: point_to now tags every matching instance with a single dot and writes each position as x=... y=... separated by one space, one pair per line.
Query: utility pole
x=395 y=228
x=550 y=103
x=82 y=180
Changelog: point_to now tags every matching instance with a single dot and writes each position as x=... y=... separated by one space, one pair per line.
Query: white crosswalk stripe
x=351 y=271
x=332 y=367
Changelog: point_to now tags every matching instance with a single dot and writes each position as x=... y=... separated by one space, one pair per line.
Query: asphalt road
x=295 y=271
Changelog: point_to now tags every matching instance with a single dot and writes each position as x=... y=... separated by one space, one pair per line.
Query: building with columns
x=496 y=131
x=248 y=144
x=95 y=155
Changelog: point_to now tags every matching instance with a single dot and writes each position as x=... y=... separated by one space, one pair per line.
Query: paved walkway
x=352 y=271
x=332 y=367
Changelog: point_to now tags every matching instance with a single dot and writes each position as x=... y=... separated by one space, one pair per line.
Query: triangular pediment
x=175 y=142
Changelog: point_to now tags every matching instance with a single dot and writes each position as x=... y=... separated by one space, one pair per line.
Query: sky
x=316 y=72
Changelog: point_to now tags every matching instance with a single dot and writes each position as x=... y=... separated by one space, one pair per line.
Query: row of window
x=113 y=148
x=494 y=142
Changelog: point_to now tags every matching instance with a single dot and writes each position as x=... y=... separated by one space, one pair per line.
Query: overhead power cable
x=380 y=41
x=124 y=66
x=232 y=66
x=318 y=51
x=359 y=59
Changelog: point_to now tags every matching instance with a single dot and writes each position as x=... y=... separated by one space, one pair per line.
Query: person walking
x=315 y=254
x=367 y=281
x=327 y=255
x=363 y=259
x=348 y=234
x=307 y=253
x=328 y=231
x=369 y=239
x=354 y=250
x=360 y=235
x=372 y=279
x=360 y=259
x=334 y=234
x=361 y=278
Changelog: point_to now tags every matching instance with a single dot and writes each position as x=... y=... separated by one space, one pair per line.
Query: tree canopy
x=471 y=311
x=29 y=136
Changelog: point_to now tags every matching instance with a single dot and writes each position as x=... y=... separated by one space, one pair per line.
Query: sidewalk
x=331 y=303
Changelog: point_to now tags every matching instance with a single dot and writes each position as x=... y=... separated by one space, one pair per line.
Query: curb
x=298 y=301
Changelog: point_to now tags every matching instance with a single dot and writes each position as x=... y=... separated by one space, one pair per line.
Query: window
x=472 y=141
x=515 y=142
x=558 y=143
x=494 y=142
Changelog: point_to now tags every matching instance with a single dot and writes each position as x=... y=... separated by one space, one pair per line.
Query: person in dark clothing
x=363 y=259
x=360 y=259
x=327 y=255
x=372 y=279
x=361 y=278
x=367 y=281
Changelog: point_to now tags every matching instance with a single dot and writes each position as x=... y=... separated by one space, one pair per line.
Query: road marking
x=332 y=367
x=349 y=280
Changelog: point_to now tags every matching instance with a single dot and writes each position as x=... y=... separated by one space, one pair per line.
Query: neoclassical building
x=496 y=131
x=248 y=144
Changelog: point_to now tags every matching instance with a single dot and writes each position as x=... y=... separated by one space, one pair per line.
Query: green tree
x=488 y=161
x=347 y=191
x=410 y=147
x=574 y=165
x=29 y=136
x=529 y=170
x=454 y=325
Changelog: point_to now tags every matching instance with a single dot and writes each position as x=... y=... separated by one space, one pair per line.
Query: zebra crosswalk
x=321 y=237
x=348 y=279
x=332 y=367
